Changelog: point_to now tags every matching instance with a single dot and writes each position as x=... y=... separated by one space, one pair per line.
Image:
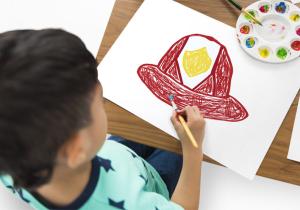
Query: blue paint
x=280 y=7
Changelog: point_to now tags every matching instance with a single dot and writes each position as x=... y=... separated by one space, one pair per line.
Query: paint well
x=296 y=45
x=252 y=12
x=250 y=42
x=264 y=8
x=295 y=17
x=282 y=53
x=245 y=29
x=281 y=7
x=264 y=52
x=298 y=30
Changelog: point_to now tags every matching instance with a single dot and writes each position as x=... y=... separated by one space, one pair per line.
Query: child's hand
x=187 y=191
x=195 y=122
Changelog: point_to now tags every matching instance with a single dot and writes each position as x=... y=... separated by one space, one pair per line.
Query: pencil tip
x=171 y=97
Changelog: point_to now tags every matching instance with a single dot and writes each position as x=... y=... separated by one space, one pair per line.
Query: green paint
x=282 y=53
x=250 y=42
x=252 y=12
x=264 y=8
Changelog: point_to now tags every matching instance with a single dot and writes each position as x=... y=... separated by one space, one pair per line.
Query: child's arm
x=187 y=191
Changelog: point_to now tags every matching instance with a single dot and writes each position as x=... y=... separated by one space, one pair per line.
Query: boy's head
x=51 y=110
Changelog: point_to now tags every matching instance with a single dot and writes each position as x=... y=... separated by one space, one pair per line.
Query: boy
x=53 y=123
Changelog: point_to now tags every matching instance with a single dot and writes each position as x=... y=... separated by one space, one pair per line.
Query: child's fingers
x=190 y=113
x=202 y=113
x=181 y=111
x=174 y=120
x=196 y=110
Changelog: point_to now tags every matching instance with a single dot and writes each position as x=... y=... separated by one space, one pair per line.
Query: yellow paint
x=264 y=52
x=295 y=17
x=196 y=62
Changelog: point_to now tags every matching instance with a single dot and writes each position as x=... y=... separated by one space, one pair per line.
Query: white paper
x=221 y=189
x=294 y=150
x=266 y=90
x=86 y=19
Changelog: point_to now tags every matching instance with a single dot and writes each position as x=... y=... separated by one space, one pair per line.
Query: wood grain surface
x=123 y=123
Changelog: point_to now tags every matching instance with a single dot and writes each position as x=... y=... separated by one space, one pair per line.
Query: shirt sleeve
x=155 y=201
x=2 y=180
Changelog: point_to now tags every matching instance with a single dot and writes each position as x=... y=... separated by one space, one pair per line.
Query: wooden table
x=123 y=123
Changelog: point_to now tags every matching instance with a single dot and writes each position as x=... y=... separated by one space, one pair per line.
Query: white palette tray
x=278 y=40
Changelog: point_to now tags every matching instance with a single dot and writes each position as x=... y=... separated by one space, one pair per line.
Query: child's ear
x=76 y=150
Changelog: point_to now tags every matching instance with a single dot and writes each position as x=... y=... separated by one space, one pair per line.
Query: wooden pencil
x=188 y=131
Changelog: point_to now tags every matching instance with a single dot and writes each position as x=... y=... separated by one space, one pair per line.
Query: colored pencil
x=239 y=7
x=183 y=123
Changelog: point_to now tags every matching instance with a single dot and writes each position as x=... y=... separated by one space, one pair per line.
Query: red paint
x=298 y=31
x=245 y=29
x=211 y=95
x=264 y=8
x=296 y=45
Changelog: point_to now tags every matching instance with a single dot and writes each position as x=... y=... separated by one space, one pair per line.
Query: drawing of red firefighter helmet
x=197 y=70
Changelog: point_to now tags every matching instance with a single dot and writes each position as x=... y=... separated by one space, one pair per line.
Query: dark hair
x=47 y=79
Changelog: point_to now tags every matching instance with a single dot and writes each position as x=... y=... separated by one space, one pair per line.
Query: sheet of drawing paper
x=169 y=48
x=294 y=150
x=221 y=189
x=87 y=20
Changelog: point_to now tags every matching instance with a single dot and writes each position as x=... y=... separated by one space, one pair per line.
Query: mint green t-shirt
x=120 y=179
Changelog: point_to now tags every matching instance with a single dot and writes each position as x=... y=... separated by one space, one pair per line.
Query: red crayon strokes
x=211 y=95
x=296 y=45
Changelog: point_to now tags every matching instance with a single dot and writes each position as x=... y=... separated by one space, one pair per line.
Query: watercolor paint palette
x=278 y=40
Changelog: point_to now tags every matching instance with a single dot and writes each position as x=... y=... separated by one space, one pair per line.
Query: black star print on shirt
x=133 y=155
x=152 y=175
x=144 y=178
x=118 y=205
x=106 y=164
x=19 y=191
